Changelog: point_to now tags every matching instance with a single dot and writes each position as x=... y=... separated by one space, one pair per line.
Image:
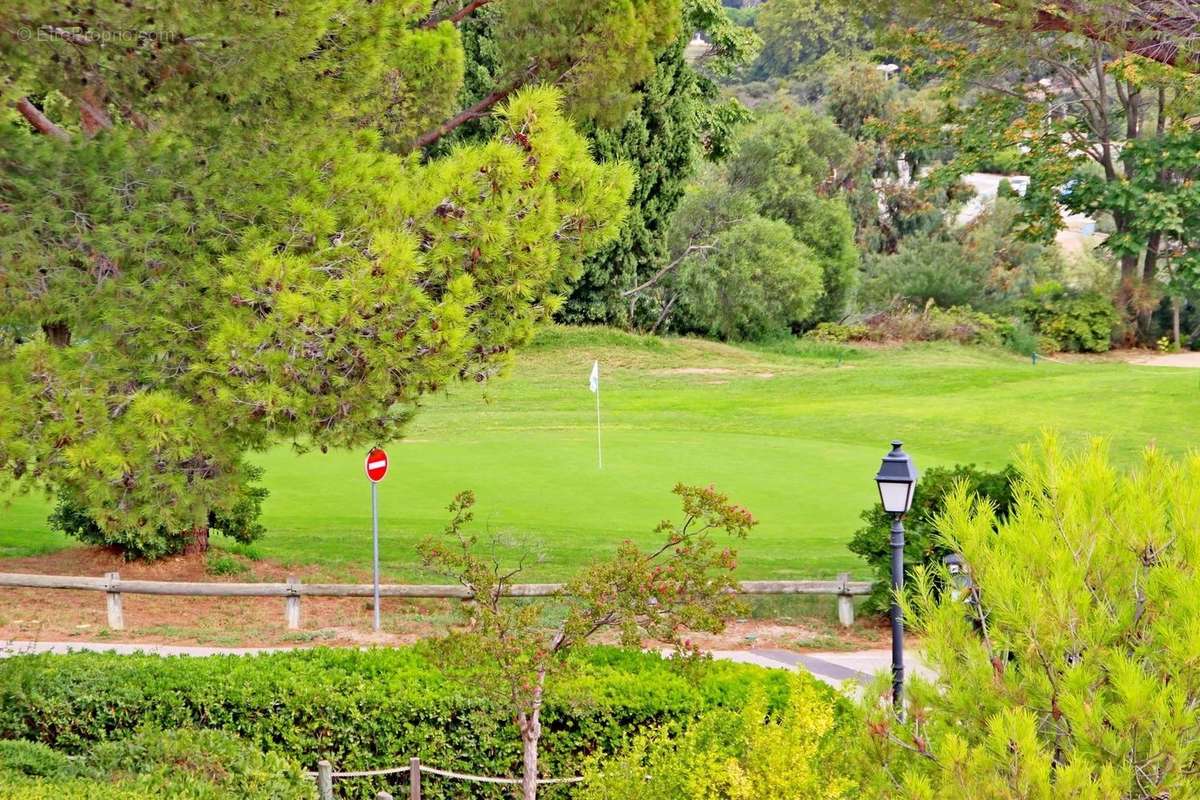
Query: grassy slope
x=793 y=432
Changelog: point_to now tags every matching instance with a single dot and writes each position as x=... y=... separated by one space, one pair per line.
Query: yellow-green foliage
x=1078 y=674
x=184 y=763
x=747 y=755
x=247 y=256
x=617 y=48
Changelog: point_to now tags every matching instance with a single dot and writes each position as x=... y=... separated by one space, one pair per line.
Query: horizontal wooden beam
x=196 y=589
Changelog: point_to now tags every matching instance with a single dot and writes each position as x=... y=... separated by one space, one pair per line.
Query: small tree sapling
x=684 y=584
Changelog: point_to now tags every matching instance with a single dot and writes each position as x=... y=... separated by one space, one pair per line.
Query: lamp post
x=896 y=479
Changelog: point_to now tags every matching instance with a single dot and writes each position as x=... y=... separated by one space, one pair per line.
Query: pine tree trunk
x=197 y=542
x=57 y=333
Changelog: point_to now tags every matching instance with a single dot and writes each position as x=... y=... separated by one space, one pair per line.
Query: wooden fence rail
x=325 y=775
x=114 y=587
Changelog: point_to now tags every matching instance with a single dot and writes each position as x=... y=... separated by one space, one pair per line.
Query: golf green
x=794 y=432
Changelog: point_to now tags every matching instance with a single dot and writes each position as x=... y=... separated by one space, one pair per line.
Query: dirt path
x=237 y=622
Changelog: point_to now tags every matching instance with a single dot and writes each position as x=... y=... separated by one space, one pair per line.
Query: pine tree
x=674 y=117
x=211 y=241
x=1070 y=666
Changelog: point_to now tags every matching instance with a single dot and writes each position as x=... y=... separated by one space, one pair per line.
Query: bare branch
x=692 y=248
x=40 y=121
x=77 y=39
x=1152 y=35
x=92 y=114
x=457 y=16
x=479 y=109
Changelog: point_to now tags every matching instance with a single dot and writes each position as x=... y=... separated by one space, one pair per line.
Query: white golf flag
x=594 y=385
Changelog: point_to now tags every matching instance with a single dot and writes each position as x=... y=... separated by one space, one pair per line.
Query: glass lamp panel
x=895 y=496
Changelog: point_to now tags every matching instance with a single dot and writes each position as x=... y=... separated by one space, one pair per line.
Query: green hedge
x=192 y=764
x=362 y=709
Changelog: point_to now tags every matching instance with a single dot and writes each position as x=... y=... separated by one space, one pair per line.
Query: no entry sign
x=377 y=464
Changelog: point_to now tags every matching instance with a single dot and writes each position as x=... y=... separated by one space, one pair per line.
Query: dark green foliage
x=921 y=544
x=596 y=52
x=784 y=169
x=194 y=764
x=31 y=758
x=1078 y=322
x=681 y=118
x=797 y=33
x=925 y=269
x=983 y=265
x=757 y=282
x=790 y=163
x=661 y=138
x=363 y=709
x=239 y=523
x=676 y=117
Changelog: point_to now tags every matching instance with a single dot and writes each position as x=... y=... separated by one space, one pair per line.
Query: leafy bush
x=926 y=269
x=857 y=92
x=757 y=281
x=1075 y=670
x=780 y=172
x=921 y=544
x=984 y=265
x=1079 y=322
x=223 y=564
x=956 y=324
x=364 y=709
x=199 y=765
x=838 y=332
x=729 y=755
x=31 y=758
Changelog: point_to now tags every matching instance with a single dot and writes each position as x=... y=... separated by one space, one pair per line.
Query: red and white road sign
x=377 y=464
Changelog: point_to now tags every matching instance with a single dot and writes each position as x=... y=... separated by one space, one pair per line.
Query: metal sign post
x=377 y=466
x=375 y=540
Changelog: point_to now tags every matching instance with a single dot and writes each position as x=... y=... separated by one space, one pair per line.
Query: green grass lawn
x=794 y=432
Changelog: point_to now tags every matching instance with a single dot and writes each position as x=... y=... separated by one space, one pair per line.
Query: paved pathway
x=834 y=668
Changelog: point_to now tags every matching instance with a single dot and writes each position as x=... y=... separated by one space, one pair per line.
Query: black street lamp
x=897 y=479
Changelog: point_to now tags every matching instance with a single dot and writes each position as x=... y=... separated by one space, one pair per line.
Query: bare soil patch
x=695 y=371
x=1187 y=360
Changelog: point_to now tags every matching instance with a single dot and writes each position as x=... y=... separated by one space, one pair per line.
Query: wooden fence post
x=116 y=619
x=325 y=779
x=292 y=609
x=845 y=603
x=414 y=779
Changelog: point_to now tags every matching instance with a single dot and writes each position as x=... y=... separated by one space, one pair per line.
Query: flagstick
x=599 y=447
